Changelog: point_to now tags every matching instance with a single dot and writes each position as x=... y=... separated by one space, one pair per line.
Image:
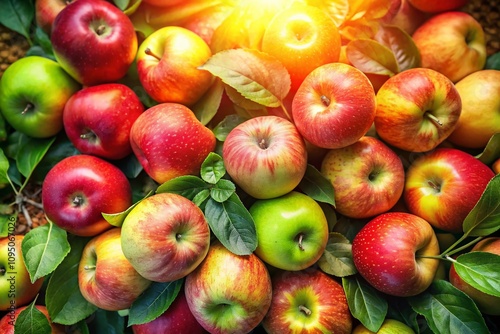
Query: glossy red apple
x=46 y=11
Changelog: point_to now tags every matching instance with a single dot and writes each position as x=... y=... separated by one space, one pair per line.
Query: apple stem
x=434 y=119
x=301 y=238
x=305 y=310
x=326 y=101
x=151 y=53
x=87 y=267
x=77 y=201
x=29 y=106
x=434 y=186
x=87 y=135
x=263 y=144
x=2 y=271
x=286 y=113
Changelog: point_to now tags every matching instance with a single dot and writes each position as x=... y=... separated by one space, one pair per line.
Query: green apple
x=292 y=230
x=389 y=326
x=33 y=92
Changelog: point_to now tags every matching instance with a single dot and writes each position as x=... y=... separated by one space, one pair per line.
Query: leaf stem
x=461 y=248
x=286 y=112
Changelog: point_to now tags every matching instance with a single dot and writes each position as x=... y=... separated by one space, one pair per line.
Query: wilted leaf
x=212 y=168
x=337 y=257
x=208 y=105
x=187 y=185
x=449 y=310
x=480 y=269
x=317 y=186
x=254 y=74
x=31 y=320
x=402 y=45
x=369 y=56
x=44 y=248
x=492 y=150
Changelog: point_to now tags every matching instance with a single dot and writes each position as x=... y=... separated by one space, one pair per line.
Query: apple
x=334 y=106
x=94 y=41
x=389 y=326
x=165 y=237
x=105 y=276
x=229 y=293
x=176 y=319
x=407 y=17
x=169 y=141
x=79 y=188
x=452 y=43
x=486 y=303
x=444 y=185
x=438 y=6
x=16 y=289
x=167 y=64
x=302 y=37
x=496 y=166
x=263 y=151
x=46 y=11
x=24 y=101
x=480 y=118
x=307 y=301
x=292 y=230
x=368 y=177
x=8 y=321
x=392 y=253
x=417 y=109
x=98 y=119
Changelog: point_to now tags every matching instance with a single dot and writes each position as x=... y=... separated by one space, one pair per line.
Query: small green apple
x=292 y=230
x=389 y=326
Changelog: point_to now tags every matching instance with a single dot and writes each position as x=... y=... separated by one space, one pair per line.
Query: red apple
x=98 y=119
x=392 y=253
x=8 y=321
x=368 y=177
x=78 y=189
x=444 y=185
x=334 y=106
x=307 y=301
x=176 y=319
x=438 y=6
x=169 y=141
x=229 y=293
x=94 y=41
x=417 y=109
x=46 y=11
x=165 y=237
x=105 y=276
x=452 y=43
x=264 y=151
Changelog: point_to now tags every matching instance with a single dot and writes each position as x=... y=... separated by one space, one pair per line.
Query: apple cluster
x=290 y=156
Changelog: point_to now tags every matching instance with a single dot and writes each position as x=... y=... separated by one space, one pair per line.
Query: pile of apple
x=229 y=166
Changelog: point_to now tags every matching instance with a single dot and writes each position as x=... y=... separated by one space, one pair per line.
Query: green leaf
x=116 y=219
x=222 y=191
x=7 y=224
x=107 y=322
x=32 y=320
x=317 y=186
x=212 y=168
x=226 y=125
x=365 y=302
x=484 y=218
x=232 y=224
x=201 y=197
x=17 y=15
x=208 y=105
x=44 y=248
x=493 y=62
x=188 y=186
x=64 y=301
x=492 y=150
x=480 y=269
x=153 y=302
x=400 y=309
x=337 y=257
x=43 y=41
x=4 y=168
x=31 y=152
x=402 y=46
x=448 y=310
x=121 y=4
x=370 y=56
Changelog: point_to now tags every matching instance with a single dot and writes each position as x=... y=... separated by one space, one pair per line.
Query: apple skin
x=265 y=150
x=8 y=321
x=307 y=301
x=386 y=252
x=167 y=64
x=94 y=41
x=46 y=11
x=487 y=304
x=496 y=166
x=407 y=17
x=292 y=230
x=176 y=319
x=105 y=276
x=444 y=185
x=23 y=100
x=368 y=177
x=438 y=6
x=417 y=110
x=79 y=188
x=333 y=115
x=389 y=326
x=165 y=237
x=15 y=284
x=229 y=293
x=98 y=119
x=480 y=118
x=169 y=141
x=452 y=43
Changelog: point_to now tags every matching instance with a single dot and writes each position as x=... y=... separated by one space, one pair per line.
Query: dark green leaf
x=212 y=168
x=448 y=310
x=208 y=105
x=43 y=40
x=222 y=190
x=484 y=218
x=153 y=302
x=188 y=186
x=226 y=125
x=365 y=302
x=317 y=186
x=4 y=168
x=107 y=322
x=32 y=320
x=31 y=152
x=232 y=224
x=130 y=166
x=400 y=309
x=44 y=248
x=64 y=301
x=7 y=224
x=337 y=257
x=481 y=270
x=17 y=15
x=493 y=62
x=492 y=150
